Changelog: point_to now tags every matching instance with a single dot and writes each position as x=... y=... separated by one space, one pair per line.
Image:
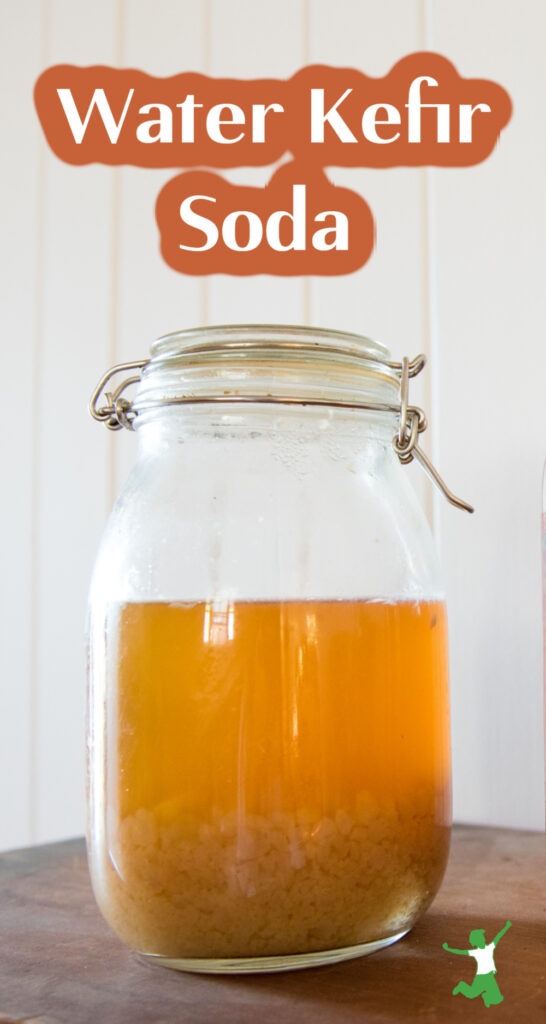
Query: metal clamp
x=406 y=443
x=118 y=412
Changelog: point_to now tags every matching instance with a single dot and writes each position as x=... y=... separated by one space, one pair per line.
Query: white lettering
x=340 y=231
x=259 y=114
x=187 y=118
x=164 y=124
x=255 y=230
x=79 y=127
x=215 y=121
x=195 y=220
x=297 y=218
x=370 y=121
x=466 y=113
x=415 y=106
x=335 y=234
x=319 y=118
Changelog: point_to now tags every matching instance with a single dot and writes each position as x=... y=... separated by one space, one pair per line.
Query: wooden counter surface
x=60 y=964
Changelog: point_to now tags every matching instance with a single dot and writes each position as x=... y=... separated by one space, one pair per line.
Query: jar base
x=271 y=964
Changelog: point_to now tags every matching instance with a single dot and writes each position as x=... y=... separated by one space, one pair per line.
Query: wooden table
x=60 y=964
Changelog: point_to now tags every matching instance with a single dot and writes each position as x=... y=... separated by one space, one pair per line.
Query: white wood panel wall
x=490 y=297
x=458 y=272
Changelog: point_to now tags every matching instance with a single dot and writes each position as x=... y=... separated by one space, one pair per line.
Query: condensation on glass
x=269 y=766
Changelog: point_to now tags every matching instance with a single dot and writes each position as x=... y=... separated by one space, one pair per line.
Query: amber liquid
x=278 y=774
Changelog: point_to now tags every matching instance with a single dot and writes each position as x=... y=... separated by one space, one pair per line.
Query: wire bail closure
x=118 y=412
x=406 y=443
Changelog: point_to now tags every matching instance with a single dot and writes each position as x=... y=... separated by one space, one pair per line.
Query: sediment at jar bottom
x=268 y=778
x=235 y=886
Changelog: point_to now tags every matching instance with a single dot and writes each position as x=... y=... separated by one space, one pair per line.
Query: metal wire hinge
x=118 y=412
x=412 y=423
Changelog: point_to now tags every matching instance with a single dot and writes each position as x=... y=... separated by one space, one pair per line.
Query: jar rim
x=219 y=337
x=274 y=362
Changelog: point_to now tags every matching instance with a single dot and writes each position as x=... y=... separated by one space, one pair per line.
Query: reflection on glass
x=218 y=622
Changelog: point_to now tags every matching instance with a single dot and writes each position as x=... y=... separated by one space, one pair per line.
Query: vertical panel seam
x=115 y=298
x=307 y=293
x=434 y=339
x=206 y=57
x=36 y=449
x=432 y=496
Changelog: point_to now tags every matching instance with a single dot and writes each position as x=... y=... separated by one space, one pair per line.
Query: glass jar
x=269 y=766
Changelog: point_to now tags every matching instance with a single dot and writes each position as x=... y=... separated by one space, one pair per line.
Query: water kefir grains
x=278 y=774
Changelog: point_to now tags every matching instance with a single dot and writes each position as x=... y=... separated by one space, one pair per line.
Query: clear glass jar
x=269 y=766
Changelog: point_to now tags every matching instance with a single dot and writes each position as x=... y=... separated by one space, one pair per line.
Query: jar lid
x=271 y=364
x=268 y=337
x=267 y=361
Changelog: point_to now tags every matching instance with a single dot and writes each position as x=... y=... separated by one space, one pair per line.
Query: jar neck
x=350 y=429
x=269 y=364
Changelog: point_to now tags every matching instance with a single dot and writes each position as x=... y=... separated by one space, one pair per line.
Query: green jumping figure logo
x=485 y=983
